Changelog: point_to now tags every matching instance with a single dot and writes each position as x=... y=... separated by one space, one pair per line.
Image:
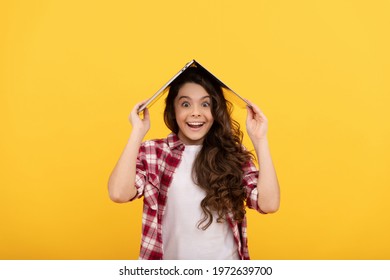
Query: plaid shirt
x=156 y=164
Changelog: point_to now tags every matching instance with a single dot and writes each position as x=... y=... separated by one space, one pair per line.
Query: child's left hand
x=256 y=123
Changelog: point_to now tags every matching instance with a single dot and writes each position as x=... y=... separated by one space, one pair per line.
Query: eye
x=206 y=104
x=185 y=104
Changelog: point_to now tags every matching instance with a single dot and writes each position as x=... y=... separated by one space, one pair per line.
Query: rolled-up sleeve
x=141 y=172
x=250 y=178
x=146 y=178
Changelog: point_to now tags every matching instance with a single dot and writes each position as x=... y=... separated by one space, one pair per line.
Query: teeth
x=195 y=123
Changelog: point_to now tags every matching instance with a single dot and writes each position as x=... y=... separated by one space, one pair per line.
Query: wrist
x=260 y=142
x=136 y=136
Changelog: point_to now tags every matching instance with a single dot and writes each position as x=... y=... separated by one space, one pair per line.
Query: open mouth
x=195 y=124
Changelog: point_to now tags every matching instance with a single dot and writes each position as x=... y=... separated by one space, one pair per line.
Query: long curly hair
x=218 y=166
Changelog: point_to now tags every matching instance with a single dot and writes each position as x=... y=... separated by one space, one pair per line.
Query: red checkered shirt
x=156 y=164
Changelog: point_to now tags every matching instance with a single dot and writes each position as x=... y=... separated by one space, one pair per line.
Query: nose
x=195 y=112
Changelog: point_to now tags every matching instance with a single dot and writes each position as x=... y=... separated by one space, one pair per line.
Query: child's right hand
x=141 y=125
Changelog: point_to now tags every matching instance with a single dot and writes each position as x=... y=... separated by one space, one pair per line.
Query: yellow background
x=71 y=71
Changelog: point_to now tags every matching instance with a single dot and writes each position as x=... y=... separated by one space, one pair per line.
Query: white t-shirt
x=182 y=239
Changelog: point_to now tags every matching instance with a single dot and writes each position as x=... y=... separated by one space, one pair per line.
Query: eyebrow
x=185 y=96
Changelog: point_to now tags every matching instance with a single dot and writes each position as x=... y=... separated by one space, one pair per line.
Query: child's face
x=193 y=113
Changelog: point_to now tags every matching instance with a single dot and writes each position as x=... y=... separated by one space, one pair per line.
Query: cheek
x=179 y=115
x=210 y=116
x=177 y=111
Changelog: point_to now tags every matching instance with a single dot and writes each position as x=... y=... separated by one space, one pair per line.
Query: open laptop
x=229 y=94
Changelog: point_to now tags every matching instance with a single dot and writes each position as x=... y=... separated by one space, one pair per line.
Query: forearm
x=267 y=185
x=121 y=184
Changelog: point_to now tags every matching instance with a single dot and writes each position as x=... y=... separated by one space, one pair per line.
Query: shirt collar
x=174 y=142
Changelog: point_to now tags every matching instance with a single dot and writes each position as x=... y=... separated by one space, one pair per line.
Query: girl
x=196 y=182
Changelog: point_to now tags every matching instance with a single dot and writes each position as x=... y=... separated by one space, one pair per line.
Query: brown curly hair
x=218 y=166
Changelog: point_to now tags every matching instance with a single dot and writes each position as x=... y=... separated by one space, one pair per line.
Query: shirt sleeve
x=250 y=178
x=147 y=174
x=141 y=172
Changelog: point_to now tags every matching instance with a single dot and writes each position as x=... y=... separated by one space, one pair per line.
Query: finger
x=145 y=113
x=250 y=113
x=134 y=112
x=140 y=106
x=258 y=111
x=251 y=104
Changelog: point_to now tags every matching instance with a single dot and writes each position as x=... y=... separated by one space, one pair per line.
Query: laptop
x=229 y=94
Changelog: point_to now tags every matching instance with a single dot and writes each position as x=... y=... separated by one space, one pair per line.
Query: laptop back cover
x=229 y=94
